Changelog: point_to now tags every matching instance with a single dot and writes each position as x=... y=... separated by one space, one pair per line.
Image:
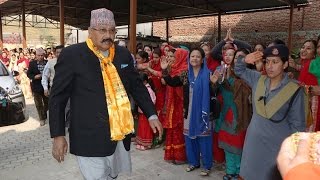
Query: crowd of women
x=18 y=59
x=229 y=106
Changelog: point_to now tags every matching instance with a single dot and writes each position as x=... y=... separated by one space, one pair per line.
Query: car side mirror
x=15 y=73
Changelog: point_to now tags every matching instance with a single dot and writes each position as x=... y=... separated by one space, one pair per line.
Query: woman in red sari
x=175 y=145
x=155 y=75
x=307 y=54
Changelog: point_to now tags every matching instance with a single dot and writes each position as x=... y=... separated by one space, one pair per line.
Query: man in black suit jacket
x=79 y=77
x=34 y=73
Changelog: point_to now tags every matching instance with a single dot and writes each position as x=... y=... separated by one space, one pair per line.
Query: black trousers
x=41 y=102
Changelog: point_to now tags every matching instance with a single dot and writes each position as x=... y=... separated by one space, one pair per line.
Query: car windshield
x=3 y=70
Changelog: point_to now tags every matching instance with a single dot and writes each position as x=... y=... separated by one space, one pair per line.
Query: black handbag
x=215 y=107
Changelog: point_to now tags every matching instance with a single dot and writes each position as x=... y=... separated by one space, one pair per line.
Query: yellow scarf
x=120 y=117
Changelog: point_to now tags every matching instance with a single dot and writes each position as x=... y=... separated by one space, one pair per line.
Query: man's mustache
x=107 y=40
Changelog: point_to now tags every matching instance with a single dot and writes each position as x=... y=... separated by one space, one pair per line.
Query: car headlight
x=15 y=90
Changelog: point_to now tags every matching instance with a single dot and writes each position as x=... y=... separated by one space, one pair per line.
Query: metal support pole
x=167 y=30
x=219 y=27
x=24 y=36
x=61 y=11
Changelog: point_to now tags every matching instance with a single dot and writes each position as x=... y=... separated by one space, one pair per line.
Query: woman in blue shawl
x=197 y=127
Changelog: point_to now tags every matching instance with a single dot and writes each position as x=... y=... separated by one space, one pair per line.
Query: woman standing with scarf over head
x=155 y=71
x=153 y=68
x=235 y=113
x=175 y=144
x=197 y=127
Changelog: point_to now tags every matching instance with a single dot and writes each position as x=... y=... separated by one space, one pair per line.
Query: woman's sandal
x=179 y=162
x=227 y=177
x=191 y=168
x=140 y=147
x=205 y=172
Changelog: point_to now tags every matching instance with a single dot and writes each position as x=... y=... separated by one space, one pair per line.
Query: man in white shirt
x=48 y=72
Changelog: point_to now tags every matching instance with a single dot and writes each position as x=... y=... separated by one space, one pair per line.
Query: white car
x=12 y=102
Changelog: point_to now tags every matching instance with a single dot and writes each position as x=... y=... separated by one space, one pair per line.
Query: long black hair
x=203 y=55
x=144 y=77
x=143 y=55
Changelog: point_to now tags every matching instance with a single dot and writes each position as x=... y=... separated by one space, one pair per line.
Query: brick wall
x=252 y=27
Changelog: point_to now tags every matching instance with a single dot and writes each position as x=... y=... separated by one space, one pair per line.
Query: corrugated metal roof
x=77 y=12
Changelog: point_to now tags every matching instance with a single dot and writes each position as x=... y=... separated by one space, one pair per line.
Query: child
x=145 y=134
x=142 y=59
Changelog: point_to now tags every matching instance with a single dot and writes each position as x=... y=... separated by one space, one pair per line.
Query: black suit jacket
x=78 y=77
x=33 y=70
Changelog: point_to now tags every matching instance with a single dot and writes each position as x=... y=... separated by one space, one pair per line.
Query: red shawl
x=212 y=64
x=180 y=63
x=162 y=49
x=159 y=87
x=23 y=59
x=305 y=77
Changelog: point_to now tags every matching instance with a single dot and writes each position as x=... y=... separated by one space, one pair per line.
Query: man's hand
x=59 y=148
x=156 y=125
x=253 y=57
x=38 y=76
x=285 y=162
x=46 y=93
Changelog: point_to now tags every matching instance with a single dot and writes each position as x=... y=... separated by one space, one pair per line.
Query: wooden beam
x=1 y=33
x=24 y=36
x=133 y=23
x=128 y=37
x=290 y=28
x=61 y=13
